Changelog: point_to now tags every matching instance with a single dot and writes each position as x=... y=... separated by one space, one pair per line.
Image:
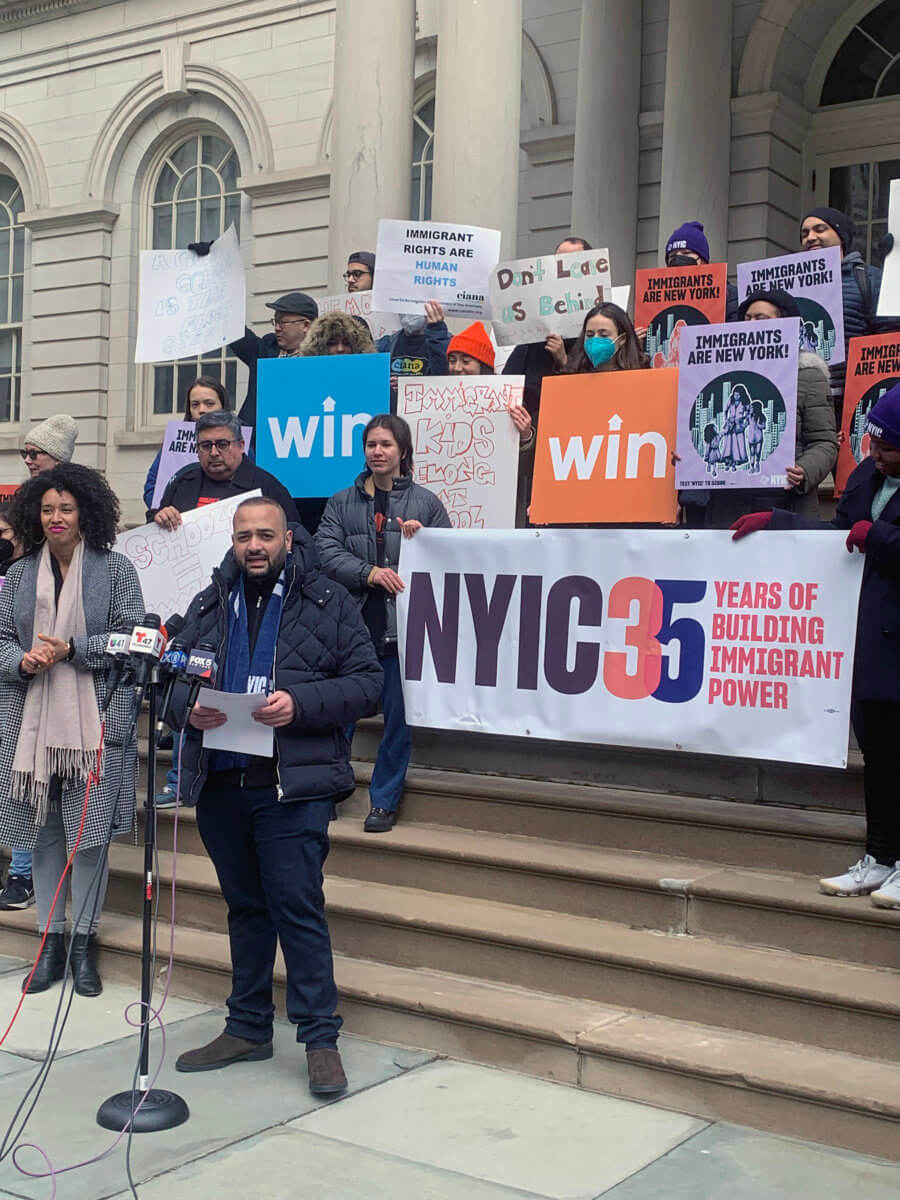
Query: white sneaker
x=861 y=879
x=888 y=895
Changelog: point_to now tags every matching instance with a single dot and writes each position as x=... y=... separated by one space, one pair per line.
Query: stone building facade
x=126 y=124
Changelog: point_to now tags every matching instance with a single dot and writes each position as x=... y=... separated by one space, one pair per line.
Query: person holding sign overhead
x=359 y=544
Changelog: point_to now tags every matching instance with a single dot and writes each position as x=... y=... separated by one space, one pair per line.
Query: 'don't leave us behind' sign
x=311 y=413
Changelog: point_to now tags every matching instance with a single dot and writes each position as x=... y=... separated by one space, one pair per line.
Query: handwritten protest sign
x=179 y=449
x=433 y=260
x=190 y=305
x=873 y=368
x=737 y=404
x=604 y=448
x=534 y=297
x=310 y=416
x=174 y=566
x=359 y=304
x=667 y=299
x=687 y=642
x=889 y=296
x=465 y=446
x=813 y=278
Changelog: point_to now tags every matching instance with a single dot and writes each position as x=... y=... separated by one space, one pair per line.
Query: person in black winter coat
x=277 y=627
x=870 y=510
x=359 y=539
x=222 y=470
x=294 y=313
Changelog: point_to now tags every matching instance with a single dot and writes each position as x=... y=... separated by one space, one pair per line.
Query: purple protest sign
x=737 y=404
x=813 y=278
x=179 y=449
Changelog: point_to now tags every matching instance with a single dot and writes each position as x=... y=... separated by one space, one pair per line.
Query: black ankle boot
x=83 y=965
x=50 y=965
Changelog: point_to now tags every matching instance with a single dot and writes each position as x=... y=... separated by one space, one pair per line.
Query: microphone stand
x=159 y=1109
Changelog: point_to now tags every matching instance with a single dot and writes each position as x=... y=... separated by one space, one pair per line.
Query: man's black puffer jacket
x=324 y=658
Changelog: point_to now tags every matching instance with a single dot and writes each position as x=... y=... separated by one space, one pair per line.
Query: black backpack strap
x=865 y=291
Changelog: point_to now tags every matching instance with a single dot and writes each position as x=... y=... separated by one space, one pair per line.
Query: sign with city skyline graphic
x=813 y=278
x=737 y=404
x=666 y=299
x=873 y=367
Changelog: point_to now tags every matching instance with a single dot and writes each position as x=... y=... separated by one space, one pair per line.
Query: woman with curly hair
x=57 y=608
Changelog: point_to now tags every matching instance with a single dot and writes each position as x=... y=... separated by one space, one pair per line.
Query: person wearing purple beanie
x=869 y=510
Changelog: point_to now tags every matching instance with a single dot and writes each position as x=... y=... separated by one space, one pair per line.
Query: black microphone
x=117 y=645
x=145 y=648
x=172 y=665
x=200 y=672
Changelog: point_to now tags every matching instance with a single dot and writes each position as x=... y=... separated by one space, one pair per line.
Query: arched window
x=12 y=279
x=194 y=198
x=867 y=65
x=423 y=159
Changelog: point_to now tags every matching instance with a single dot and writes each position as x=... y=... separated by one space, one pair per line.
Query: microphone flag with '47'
x=145 y=649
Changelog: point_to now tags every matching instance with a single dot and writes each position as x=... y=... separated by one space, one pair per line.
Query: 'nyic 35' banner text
x=678 y=640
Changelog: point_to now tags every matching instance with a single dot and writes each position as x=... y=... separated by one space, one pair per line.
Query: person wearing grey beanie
x=49 y=443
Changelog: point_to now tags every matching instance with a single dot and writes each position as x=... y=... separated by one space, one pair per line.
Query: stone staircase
x=620 y=920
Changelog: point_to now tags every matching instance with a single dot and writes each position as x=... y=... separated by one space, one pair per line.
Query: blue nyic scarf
x=243 y=672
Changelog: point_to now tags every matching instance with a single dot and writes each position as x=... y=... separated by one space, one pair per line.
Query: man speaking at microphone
x=285 y=630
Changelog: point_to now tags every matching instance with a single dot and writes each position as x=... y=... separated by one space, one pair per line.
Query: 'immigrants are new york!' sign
x=683 y=640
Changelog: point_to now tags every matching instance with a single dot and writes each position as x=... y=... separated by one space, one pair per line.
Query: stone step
x=640 y=890
x=822 y=1002
x=827 y=1096
x=718 y=777
x=679 y=826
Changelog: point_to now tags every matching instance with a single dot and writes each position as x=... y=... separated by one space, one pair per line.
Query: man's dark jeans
x=269 y=858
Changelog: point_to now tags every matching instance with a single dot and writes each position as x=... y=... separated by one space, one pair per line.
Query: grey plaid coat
x=112 y=597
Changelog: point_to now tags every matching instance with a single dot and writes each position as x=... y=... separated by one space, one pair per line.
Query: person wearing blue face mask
x=418 y=348
x=607 y=342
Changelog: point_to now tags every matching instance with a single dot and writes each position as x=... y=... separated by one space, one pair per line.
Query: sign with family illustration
x=737 y=404
x=813 y=278
x=668 y=299
x=873 y=368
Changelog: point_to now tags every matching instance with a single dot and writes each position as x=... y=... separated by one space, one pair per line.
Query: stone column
x=696 y=152
x=478 y=114
x=371 y=137
x=605 y=182
x=69 y=329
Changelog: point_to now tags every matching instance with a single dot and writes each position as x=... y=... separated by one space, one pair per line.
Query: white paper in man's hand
x=240 y=734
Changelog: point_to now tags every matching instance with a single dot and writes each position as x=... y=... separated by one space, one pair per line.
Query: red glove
x=857 y=536
x=750 y=524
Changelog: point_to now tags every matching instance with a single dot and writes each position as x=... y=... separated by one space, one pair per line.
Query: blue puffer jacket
x=346 y=535
x=859 y=309
x=324 y=658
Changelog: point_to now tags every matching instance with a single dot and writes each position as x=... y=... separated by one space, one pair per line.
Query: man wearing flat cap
x=294 y=313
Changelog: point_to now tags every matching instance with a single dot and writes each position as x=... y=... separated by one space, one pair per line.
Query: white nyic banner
x=685 y=641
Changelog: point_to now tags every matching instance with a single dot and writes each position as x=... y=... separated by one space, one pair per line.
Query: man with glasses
x=222 y=470
x=360 y=273
x=294 y=313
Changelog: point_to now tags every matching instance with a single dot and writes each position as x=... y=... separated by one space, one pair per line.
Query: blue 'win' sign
x=310 y=416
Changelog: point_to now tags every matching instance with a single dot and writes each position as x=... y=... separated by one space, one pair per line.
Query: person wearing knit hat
x=687 y=247
x=360 y=273
x=860 y=283
x=471 y=352
x=869 y=512
x=51 y=442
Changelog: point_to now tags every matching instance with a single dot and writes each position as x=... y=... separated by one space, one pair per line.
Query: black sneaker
x=379 y=820
x=18 y=893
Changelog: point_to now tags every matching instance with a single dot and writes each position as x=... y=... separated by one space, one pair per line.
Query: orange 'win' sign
x=604 y=449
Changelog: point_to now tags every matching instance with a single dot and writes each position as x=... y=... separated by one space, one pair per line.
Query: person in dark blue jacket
x=860 y=283
x=870 y=510
x=279 y=628
x=419 y=348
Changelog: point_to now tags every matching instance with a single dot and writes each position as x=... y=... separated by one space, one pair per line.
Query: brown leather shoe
x=326 y=1072
x=222 y=1052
